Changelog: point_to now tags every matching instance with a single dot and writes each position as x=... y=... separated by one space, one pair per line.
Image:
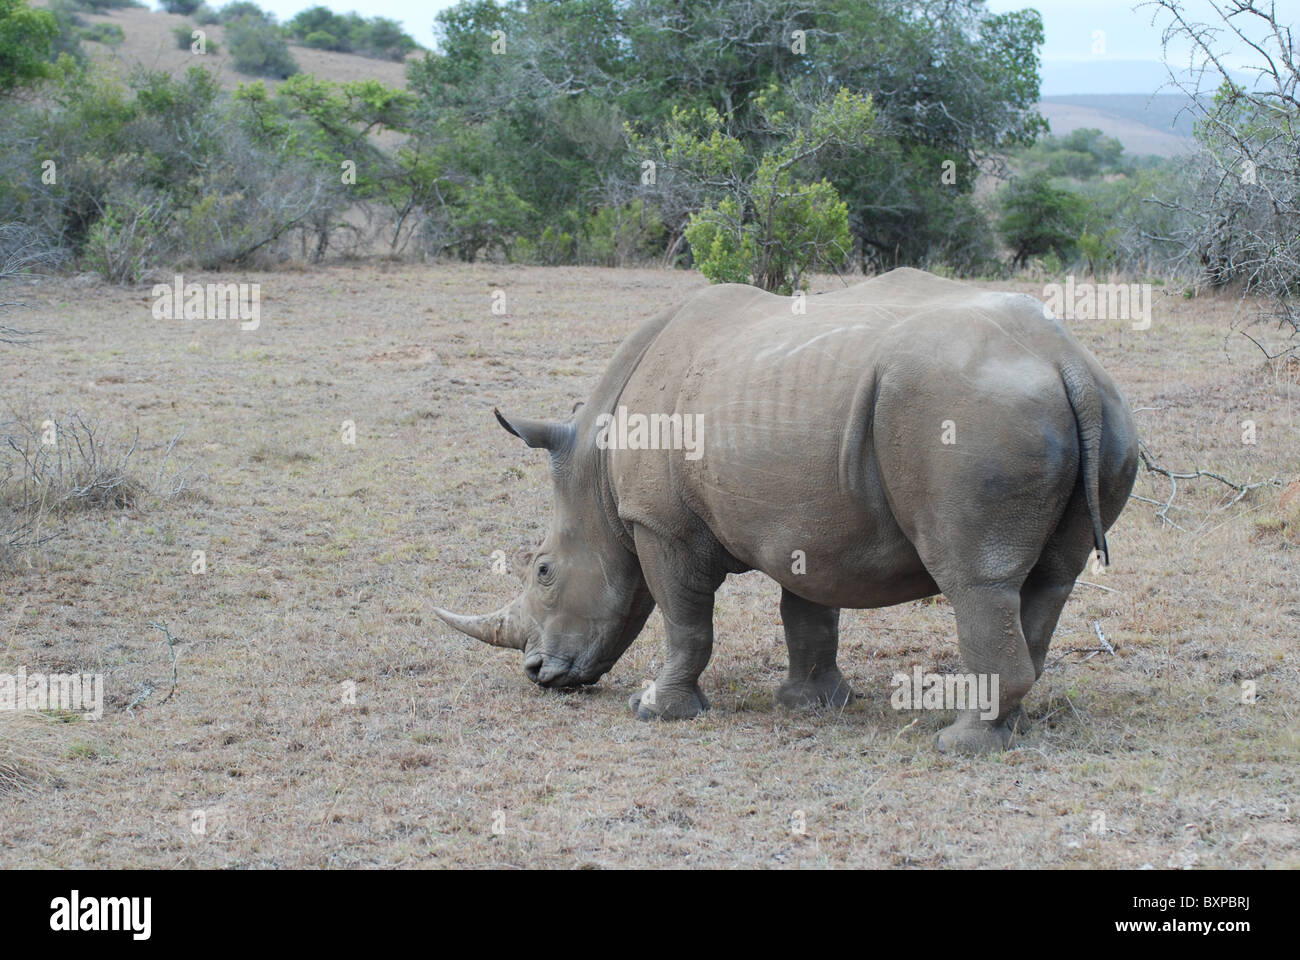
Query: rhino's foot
x=663 y=703
x=827 y=689
x=1018 y=722
x=982 y=736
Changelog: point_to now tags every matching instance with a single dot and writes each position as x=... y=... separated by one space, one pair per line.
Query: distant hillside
x=149 y=43
x=1104 y=75
x=1166 y=112
x=1158 y=125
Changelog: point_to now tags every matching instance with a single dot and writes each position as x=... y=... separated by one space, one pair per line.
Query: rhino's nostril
x=533 y=666
x=552 y=669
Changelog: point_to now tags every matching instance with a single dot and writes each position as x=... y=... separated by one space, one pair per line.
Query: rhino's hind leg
x=812 y=634
x=1041 y=602
x=1051 y=581
x=992 y=644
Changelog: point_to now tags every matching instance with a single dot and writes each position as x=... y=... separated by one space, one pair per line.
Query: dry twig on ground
x=1240 y=488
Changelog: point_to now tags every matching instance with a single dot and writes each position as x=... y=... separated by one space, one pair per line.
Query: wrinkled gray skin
x=823 y=434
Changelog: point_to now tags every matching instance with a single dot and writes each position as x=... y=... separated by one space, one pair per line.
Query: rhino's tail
x=1085 y=401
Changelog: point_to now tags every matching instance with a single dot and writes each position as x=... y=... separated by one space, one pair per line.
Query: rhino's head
x=584 y=598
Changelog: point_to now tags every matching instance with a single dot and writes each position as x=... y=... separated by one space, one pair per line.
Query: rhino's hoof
x=828 y=690
x=657 y=703
x=981 y=737
x=1017 y=722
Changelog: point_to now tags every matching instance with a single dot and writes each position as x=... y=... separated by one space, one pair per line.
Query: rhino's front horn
x=501 y=629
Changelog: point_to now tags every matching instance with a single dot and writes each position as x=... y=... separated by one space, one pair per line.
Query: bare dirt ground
x=324 y=560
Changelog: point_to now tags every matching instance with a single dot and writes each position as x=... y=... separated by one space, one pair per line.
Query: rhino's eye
x=543 y=570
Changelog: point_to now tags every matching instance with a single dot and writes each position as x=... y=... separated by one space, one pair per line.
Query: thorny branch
x=1153 y=466
x=171 y=648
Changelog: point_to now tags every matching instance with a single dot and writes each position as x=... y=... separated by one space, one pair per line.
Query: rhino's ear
x=523 y=563
x=547 y=434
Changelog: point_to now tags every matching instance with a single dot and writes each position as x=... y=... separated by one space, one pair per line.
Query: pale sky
x=1069 y=26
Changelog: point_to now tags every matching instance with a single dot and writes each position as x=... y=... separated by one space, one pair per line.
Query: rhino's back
x=769 y=372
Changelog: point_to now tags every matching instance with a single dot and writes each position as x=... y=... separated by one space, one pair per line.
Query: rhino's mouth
x=547 y=670
x=557 y=673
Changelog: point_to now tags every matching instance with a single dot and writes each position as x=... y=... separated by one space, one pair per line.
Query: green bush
x=317 y=20
x=183 y=7
x=1098 y=249
x=323 y=29
x=805 y=227
x=383 y=39
x=968 y=244
x=26 y=36
x=551 y=248
x=109 y=34
x=485 y=217
x=258 y=48
x=154 y=174
x=184 y=35
x=320 y=40
x=618 y=236
x=122 y=242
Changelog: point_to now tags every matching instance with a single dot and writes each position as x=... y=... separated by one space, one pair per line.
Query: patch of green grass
x=83 y=750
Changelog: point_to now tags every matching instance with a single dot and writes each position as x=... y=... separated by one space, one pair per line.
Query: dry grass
x=324 y=561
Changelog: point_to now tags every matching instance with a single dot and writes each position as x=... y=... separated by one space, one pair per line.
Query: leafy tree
x=1038 y=218
x=953 y=86
x=762 y=223
x=26 y=36
x=327 y=126
x=183 y=7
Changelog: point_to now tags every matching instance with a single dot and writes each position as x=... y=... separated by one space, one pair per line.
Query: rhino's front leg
x=812 y=634
x=683 y=588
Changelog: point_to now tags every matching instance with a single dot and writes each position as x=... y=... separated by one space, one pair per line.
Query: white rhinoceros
x=906 y=436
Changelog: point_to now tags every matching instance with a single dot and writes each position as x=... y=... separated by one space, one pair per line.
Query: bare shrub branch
x=1241 y=217
x=1239 y=488
x=56 y=466
x=23 y=253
